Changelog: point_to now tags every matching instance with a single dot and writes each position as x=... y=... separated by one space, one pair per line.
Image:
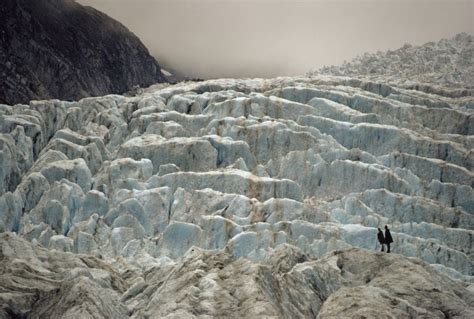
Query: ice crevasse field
x=247 y=197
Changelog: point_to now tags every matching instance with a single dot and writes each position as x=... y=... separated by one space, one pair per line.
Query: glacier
x=247 y=197
x=235 y=197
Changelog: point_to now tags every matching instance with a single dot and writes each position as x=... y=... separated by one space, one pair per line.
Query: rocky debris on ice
x=48 y=283
x=37 y=282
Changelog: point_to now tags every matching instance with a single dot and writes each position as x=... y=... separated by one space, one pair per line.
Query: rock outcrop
x=61 y=49
x=356 y=283
x=239 y=198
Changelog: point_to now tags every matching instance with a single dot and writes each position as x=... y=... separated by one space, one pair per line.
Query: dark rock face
x=61 y=49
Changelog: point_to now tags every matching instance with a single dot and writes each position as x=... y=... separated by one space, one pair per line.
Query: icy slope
x=446 y=65
x=170 y=188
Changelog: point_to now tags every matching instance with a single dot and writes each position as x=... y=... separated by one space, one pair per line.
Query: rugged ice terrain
x=446 y=63
x=247 y=198
x=239 y=198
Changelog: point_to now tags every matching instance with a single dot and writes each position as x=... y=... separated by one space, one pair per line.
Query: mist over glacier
x=268 y=38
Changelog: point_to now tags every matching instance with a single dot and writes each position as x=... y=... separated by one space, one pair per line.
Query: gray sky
x=266 y=38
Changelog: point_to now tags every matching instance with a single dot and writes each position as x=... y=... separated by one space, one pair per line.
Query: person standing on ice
x=388 y=238
x=381 y=238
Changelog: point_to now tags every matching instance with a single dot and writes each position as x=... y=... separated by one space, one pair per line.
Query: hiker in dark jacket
x=381 y=238
x=388 y=238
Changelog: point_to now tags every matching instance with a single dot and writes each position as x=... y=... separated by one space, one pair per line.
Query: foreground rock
x=356 y=283
x=40 y=283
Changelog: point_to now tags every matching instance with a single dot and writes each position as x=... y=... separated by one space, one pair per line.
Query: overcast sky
x=266 y=38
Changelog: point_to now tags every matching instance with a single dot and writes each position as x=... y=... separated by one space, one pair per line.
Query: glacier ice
x=162 y=203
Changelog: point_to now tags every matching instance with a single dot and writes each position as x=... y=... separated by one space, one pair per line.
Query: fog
x=267 y=38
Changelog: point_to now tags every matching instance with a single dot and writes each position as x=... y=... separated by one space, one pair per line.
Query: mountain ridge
x=61 y=49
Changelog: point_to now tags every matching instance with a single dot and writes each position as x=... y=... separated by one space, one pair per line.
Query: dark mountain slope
x=61 y=49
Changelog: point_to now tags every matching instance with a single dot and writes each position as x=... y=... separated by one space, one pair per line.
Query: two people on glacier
x=385 y=240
